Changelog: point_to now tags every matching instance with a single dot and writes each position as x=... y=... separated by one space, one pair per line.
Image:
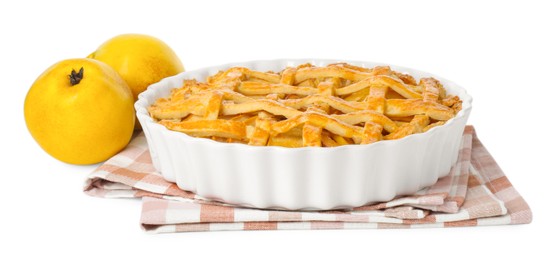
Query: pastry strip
x=206 y=128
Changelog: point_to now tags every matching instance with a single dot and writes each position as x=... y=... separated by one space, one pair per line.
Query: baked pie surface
x=306 y=105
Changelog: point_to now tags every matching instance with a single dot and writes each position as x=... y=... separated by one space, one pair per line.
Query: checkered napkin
x=475 y=193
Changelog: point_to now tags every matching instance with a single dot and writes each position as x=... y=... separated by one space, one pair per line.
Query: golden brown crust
x=406 y=79
x=301 y=106
x=208 y=128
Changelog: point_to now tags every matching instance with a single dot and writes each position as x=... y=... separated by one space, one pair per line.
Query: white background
x=500 y=52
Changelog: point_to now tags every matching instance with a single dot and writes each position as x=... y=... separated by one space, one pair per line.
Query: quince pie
x=329 y=106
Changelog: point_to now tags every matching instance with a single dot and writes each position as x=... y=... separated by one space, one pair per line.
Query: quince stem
x=76 y=77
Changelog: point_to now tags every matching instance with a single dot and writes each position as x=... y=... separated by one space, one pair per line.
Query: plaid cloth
x=475 y=193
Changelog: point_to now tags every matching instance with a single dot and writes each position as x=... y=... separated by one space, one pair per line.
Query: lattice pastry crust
x=335 y=105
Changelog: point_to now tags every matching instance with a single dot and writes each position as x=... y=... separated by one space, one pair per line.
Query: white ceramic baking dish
x=310 y=178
